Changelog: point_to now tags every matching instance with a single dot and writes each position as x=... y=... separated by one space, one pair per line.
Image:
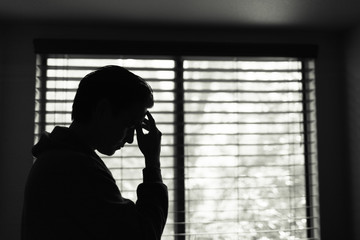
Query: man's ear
x=102 y=111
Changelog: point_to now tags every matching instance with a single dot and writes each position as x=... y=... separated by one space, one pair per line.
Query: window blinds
x=244 y=148
x=239 y=140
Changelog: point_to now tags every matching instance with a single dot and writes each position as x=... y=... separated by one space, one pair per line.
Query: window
x=239 y=138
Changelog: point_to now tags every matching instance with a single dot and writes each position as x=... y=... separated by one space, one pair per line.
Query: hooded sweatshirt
x=71 y=194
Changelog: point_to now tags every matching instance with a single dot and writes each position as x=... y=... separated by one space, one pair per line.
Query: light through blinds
x=239 y=140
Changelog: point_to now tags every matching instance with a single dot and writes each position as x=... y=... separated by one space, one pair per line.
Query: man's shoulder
x=64 y=160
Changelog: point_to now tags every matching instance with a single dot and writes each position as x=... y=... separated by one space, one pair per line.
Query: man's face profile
x=115 y=130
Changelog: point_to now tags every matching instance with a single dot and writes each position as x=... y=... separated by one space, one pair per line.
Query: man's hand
x=150 y=143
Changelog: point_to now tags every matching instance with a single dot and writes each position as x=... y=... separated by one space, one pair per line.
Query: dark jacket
x=71 y=194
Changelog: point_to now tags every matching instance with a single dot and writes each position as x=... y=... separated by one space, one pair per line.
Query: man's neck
x=84 y=133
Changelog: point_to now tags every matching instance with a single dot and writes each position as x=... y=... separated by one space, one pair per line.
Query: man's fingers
x=144 y=128
x=150 y=117
x=139 y=130
x=149 y=124
x=146 y=124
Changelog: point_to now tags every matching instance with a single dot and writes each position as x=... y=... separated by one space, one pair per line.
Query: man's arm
x=152 y=193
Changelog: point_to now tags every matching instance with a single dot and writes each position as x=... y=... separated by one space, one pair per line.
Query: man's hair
x=116 y=84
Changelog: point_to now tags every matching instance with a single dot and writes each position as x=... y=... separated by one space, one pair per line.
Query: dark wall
x=352 y=67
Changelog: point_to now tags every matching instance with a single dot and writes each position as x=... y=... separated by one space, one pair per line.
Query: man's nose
x=130 y=136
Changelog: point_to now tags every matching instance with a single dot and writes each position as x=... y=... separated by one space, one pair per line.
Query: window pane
x=244 y=150
x=63 y=75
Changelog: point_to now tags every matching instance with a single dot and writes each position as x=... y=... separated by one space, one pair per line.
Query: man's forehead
x=137 y=114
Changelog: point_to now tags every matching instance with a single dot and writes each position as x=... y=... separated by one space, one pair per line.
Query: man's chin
x=108 y=152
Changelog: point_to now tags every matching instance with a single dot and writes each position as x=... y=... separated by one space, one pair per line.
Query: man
x=70 y=193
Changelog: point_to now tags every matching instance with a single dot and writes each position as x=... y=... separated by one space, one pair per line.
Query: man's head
x=121 y=88
x=111 y=101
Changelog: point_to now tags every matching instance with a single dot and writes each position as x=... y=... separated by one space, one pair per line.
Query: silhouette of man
x=70 y=193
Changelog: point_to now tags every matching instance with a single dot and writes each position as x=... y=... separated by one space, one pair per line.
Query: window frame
x=178 y=49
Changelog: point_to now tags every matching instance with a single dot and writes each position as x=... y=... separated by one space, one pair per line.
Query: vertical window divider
x=179 y=151
x=307 y=151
